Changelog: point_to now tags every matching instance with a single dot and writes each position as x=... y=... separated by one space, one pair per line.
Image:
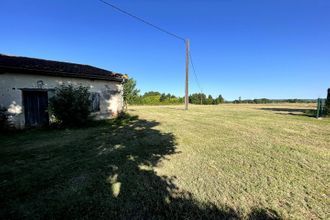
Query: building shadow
x=107 y=173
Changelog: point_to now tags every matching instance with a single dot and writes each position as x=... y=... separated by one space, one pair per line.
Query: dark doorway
x=35 y=108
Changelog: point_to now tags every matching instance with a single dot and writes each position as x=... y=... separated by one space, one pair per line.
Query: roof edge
x=18 y=70
x=37 y=66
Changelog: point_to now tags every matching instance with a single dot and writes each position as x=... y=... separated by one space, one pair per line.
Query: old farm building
x=26 y=84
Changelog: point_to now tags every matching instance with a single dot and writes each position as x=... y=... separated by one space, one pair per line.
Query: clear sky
x=252 y=49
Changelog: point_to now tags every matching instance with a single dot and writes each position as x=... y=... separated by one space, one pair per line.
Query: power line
x=197 y=82
x=166 y=32
x=142 y=20
x=194 y=71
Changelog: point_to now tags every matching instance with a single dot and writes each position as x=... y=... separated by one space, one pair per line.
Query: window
x=51 y=93
x=95 y=101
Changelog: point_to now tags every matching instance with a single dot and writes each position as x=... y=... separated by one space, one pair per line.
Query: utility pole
x=186 y=100
x=187 y=74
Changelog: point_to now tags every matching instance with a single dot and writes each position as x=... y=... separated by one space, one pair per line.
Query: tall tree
x=130 y=92
x=196 y=98
x=209 y=100
x=221 y=99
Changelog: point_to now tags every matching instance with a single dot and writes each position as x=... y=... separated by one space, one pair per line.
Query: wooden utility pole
x=186 y=100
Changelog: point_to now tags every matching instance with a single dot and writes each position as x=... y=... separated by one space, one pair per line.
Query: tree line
x=269 y=101
x=202 y=99
x=132 y=96
x=156 y=98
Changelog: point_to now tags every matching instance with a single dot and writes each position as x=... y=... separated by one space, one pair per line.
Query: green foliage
x=220 y=99
x=162 y=97
x=170 y=99
x=197 y=98
x=71 y=105
x=151 y=93
x=268 y=101
x=327 y=104
x=3 y=119
x=155 y=98
x=200 y=98
x=131 y=94
x=151 y=99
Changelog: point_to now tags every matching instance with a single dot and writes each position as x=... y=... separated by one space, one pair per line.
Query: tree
x=218 y=100
x=162 y=97
x=327 y=104
x=196 y=98
x=209 y=100
x=151 y=93
x=221 y=99
x=200 y=98
x=71 y=105
x=130 y=92
x=151 y=99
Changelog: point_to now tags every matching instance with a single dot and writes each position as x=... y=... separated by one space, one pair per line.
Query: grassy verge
x=227 y=161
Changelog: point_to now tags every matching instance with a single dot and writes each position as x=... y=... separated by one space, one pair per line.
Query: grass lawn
x=226 y=161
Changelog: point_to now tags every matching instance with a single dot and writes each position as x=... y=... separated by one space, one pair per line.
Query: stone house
x=26 y=84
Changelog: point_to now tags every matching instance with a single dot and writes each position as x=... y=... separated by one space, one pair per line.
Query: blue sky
x=252 y=49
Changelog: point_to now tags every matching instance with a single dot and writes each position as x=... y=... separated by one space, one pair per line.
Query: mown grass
x=226 y=161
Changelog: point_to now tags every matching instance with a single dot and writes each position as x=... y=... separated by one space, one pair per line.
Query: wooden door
x=35 y=108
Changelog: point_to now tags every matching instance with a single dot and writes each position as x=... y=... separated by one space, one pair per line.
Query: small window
x=51 y=93
x=95 y=101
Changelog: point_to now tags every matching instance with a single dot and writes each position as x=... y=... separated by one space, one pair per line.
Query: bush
x=3 y=119
x=71 y=105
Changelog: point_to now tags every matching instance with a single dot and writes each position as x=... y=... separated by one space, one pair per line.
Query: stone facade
x=12 y=86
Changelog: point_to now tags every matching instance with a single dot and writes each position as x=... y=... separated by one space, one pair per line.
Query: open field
x=225 y=161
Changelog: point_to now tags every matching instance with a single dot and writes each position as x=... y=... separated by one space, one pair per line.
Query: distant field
x=226 y=161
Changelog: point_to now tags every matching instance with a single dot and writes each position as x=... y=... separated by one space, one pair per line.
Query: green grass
x=226 y=161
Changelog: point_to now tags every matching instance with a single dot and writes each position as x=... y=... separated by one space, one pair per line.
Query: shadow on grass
x=292 y=111
x=105 y=171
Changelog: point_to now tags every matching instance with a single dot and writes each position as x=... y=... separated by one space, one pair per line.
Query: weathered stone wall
x=11 y=85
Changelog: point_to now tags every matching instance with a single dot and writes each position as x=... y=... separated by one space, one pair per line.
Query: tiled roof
x=26 y=65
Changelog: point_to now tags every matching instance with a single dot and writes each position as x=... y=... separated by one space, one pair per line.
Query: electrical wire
x=194 y=71
x=159 y=29
x=142 y=20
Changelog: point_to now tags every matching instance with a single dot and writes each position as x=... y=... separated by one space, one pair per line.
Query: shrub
x=71 y=105
x=3 y=119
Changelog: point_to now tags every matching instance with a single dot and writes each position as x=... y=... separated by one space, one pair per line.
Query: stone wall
x=11 y=86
